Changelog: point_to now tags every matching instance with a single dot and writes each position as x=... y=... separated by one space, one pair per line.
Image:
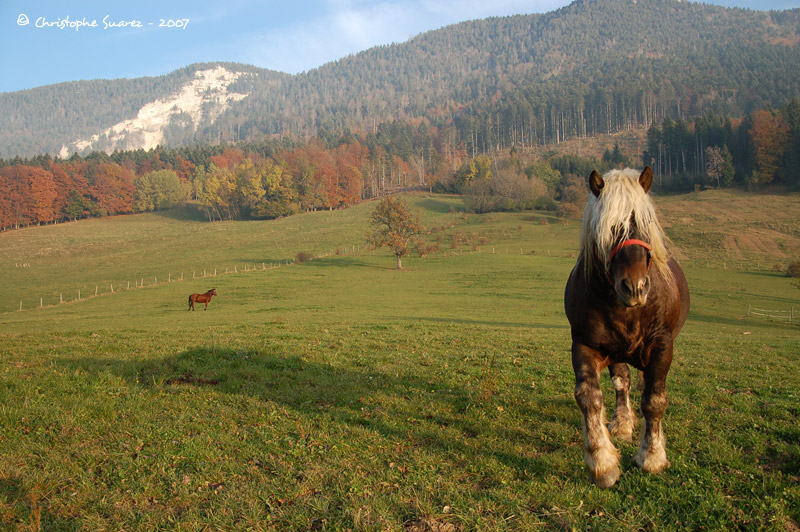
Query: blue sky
x=286 y=35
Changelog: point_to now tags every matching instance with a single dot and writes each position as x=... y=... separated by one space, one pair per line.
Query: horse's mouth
x=632 y=302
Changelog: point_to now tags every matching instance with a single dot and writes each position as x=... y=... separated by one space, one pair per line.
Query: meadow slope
x=341 y=394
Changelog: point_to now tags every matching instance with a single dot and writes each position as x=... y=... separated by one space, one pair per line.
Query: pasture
x=341 y=394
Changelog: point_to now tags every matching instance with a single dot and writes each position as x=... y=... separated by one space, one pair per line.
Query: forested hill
x=595 y=66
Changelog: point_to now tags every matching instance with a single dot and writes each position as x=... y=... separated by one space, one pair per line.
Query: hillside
x=708 y=229
x=342 y=394
x=595 y=66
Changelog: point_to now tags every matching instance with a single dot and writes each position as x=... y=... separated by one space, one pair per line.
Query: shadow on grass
x=183 y=214
x=771 y=274
x=490 y=323
x=351 y=262
x=24 y=510
x=431 y=411
x=250 y=262
x=743 y=321
x=440 y=207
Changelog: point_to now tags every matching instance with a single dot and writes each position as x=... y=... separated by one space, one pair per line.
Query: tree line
x=282 y=177
x=247 y=181
x=761 y=148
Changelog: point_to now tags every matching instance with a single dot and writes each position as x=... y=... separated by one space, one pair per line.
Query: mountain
x=595 y=66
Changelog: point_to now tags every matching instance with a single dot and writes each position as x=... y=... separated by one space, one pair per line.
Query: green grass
x=341 y=394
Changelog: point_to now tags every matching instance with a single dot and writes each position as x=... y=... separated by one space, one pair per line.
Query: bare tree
x=719 y=165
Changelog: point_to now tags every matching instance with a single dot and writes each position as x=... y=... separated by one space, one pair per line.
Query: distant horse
x=201 y=298
x=626 y=301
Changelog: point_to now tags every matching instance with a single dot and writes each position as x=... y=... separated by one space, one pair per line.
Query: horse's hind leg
x=601 y=457
x=624 y=418
x=652 y=455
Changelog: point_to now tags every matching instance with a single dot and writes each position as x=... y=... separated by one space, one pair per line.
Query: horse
x=626 y=300
x=201 y=298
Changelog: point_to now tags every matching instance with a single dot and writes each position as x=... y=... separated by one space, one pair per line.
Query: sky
x=53 y=41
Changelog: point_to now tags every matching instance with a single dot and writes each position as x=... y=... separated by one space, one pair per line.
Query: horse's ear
x=596 y=183
x=646 y=179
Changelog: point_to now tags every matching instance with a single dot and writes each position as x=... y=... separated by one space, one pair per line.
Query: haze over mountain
x=595 y=66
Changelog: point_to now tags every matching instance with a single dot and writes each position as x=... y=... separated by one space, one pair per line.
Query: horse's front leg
x=624 y=418
x=601 y=457
x=652 y=454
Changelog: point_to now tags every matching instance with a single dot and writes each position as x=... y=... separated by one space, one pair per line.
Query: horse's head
x=627 y=263
x=629 y=271
x=212 y=292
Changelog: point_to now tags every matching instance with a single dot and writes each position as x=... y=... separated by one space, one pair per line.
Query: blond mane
x=607 y=221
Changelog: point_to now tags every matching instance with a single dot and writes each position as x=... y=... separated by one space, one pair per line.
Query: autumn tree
x=43 y=193
x=573 y=196
x=279 y=197
x=111 y=186
x=161 y=189
x=395 y=227
x=770 y=134
x=473 y=181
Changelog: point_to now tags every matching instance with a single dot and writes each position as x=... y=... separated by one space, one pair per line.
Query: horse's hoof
x=652 y=463
x=621 y=429
x=608 y=479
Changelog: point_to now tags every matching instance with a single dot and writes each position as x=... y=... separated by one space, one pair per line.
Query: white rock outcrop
x=203 y=99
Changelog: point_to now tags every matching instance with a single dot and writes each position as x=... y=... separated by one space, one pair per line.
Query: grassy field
x=341 y=394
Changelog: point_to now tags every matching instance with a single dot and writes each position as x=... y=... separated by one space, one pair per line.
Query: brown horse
x=626 y=301
x=201 y=298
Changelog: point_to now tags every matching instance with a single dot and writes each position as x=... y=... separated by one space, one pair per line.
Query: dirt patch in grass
x=430 y=525
x=732 y=224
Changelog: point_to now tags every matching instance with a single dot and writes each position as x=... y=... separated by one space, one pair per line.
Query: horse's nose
x=633 y=293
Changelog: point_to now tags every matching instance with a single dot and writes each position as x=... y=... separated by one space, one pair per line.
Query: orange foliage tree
x=112 y=187
x=770 y=134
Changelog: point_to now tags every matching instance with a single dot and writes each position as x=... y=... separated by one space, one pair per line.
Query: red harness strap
x=630 y=242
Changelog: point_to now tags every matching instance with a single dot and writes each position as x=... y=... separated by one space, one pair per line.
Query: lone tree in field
x=393 y=226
